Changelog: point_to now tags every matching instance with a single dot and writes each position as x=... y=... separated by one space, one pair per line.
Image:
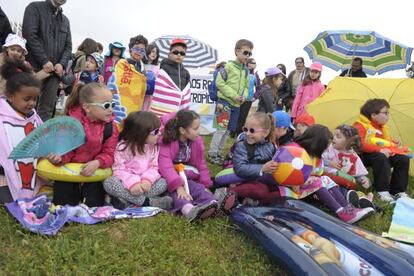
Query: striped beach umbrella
x=198 y=54
x=336 y=49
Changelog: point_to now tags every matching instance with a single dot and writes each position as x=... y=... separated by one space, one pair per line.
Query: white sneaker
x=402 y=195
x=385 y=196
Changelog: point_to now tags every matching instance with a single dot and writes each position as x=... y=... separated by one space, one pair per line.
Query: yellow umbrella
x=341 y=102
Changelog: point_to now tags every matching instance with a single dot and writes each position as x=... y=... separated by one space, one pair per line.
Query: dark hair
x=139 y=39
x=282 y=67
x=82 y=93
x=18 y=75
x=307 y=80
x=184 y=118
x=301 y=58
x=88 y=46
x=151 y=47
x=136 y=128
x=243 y=42
x=99 y=46
x=358 y=59
x=352 y=136
x=315 y=140
x=373 y=106
x=266 y=121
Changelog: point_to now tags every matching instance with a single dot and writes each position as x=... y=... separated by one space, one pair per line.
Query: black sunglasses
x=247 y=53
x=251 y=130
x=176 y=52
x=155 y=131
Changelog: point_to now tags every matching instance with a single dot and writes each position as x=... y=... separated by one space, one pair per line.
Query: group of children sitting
x=144 y=154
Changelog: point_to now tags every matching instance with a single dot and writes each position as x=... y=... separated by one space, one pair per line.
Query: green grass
x=161 y=245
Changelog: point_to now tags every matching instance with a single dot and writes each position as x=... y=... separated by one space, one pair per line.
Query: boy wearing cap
x=232 y=92
x=171 y=97
x=268 y=97
x=284 y=129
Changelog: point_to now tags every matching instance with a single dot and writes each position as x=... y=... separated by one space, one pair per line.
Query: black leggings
x=91 y=193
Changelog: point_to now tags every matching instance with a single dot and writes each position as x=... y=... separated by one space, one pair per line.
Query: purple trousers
x=197 y=191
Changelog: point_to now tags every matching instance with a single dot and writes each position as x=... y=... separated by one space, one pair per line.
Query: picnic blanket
x=402 y=224
x=39 y=215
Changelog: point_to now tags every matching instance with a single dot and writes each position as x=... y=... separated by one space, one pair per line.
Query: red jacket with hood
x=94 y=148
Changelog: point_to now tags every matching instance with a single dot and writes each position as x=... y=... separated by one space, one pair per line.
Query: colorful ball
x=295 y=166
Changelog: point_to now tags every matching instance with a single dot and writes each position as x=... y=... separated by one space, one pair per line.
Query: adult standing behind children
x=356 y=69
x=231 y=93
x=296 y=77
x=49 y=43
x=5 y=27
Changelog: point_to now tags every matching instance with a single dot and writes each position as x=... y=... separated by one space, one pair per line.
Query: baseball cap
x=273 y=71
x=178 y=41
x=305 y=119
x=282 y=119
x=316 y=66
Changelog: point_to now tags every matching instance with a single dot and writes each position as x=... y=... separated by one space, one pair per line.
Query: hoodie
x=176 y=71
x=21 y=173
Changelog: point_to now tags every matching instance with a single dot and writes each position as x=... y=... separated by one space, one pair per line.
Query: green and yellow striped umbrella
x=336 y=49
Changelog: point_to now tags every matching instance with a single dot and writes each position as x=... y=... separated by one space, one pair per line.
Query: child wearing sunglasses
x=182 y=144
x=172 y=86
x=315 y=140
x=92 y=105
x=232 y=92
x=252 y=160
x=135 y=178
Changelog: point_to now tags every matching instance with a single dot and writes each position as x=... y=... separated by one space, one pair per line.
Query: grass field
x=161 y=245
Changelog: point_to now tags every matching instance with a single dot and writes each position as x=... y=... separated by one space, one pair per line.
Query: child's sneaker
x=202 y=211
x=351 y=215
x=118 y=203
x=364 y=202
x=226 y=200
x=385 y=196
x=353 y=198
x=401 y=195
x=165 y=202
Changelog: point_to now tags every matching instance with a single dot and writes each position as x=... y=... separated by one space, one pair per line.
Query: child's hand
x=334 y=165
x=182 y=194
x=145 y=185
x=54 y=158
x=365 y=182
x=270 y=166
x=137 y=190
x=397 y=141
x=89 y=168
x=386 y=152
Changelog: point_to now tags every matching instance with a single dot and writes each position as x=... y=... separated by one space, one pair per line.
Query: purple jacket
x=166 y=166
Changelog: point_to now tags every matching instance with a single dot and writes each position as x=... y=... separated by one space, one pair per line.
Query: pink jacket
x=305 y=95
x=166 y=165
x=93 y=149
x=132 y=169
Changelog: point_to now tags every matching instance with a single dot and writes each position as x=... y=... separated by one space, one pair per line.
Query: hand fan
x=58 y=135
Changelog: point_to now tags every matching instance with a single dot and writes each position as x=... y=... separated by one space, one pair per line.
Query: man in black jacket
x=49 y=43
x=5 y=27
x=356 y=69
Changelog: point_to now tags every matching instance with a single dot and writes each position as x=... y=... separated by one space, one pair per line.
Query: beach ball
x=295 y=166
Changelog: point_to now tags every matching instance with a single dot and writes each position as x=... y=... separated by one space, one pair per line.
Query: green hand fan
x=58 y=135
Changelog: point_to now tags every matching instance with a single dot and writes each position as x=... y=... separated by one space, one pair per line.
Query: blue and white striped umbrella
x=336 y=49
x=198 y=54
